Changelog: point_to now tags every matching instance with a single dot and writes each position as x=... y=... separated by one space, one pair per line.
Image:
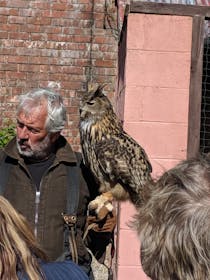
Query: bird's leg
x=101 y=205
x=108 y=196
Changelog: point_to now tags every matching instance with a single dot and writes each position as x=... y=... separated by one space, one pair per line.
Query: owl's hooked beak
x=82 y=113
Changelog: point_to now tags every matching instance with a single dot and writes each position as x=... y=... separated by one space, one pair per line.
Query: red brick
x=8 y=67
x=39 y=20
x=18 y=75
x=16 y=19
x=104 y=63
x=62 y=6
x=3 y=3
x=3 y=35
x=18 y=35
x=18 y=3
x=10 y=27
x=40 y=5
x=29 y=68
x=3 y=19
x=17 y=59
x=30 y=28
x=59 y=14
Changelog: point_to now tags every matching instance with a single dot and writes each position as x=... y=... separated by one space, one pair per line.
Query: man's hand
x=107 y=224
x=101 y=216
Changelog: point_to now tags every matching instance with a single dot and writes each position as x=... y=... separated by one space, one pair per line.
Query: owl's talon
x=100 y=206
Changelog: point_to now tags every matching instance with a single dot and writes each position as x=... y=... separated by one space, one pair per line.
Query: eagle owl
x=119 y=163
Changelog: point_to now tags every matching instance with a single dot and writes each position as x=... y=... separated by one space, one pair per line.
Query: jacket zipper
x=37 y=197
x=37 y=201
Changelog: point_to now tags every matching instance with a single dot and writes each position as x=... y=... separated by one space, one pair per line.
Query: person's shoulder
x=2 y=155
x=9 y=150
x=66 y=270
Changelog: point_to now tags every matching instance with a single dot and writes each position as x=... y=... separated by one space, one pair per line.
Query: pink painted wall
x=157 y=77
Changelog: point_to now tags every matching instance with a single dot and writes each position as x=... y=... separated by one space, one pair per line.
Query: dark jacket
x=60 y=271
x=21 y=192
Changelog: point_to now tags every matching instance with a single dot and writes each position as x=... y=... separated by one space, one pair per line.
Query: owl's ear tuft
x=92 y=87
x=99 y=91
x=96 y=90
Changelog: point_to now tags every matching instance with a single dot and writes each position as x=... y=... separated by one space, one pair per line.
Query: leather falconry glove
x=104 y=220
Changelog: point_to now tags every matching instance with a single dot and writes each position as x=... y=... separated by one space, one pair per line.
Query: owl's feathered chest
x=96 y=129
x=94 y=132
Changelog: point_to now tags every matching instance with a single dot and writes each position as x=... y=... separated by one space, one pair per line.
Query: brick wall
x=57 y=44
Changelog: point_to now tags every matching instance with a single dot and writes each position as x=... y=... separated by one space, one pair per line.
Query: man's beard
x=38 y=151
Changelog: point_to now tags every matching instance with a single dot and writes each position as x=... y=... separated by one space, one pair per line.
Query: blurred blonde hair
x=18 y=247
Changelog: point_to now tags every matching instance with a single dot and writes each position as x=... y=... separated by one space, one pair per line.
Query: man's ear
x=54 y=136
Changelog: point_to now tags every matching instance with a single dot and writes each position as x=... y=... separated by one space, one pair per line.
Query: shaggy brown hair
x=174 y=223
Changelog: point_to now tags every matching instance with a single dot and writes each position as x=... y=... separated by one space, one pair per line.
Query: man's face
x=33 y=140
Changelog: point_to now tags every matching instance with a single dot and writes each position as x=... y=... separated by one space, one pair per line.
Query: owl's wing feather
x=122 y=157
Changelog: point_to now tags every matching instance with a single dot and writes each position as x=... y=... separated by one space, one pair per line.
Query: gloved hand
x=106 y=224
x=101 y=216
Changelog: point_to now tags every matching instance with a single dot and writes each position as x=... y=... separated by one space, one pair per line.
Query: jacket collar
x=64 y=152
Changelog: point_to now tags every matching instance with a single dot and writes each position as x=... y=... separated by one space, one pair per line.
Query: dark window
x=205 y=103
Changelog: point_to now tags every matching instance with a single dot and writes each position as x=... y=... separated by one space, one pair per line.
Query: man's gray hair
x=174 y=223
x=56 y=112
